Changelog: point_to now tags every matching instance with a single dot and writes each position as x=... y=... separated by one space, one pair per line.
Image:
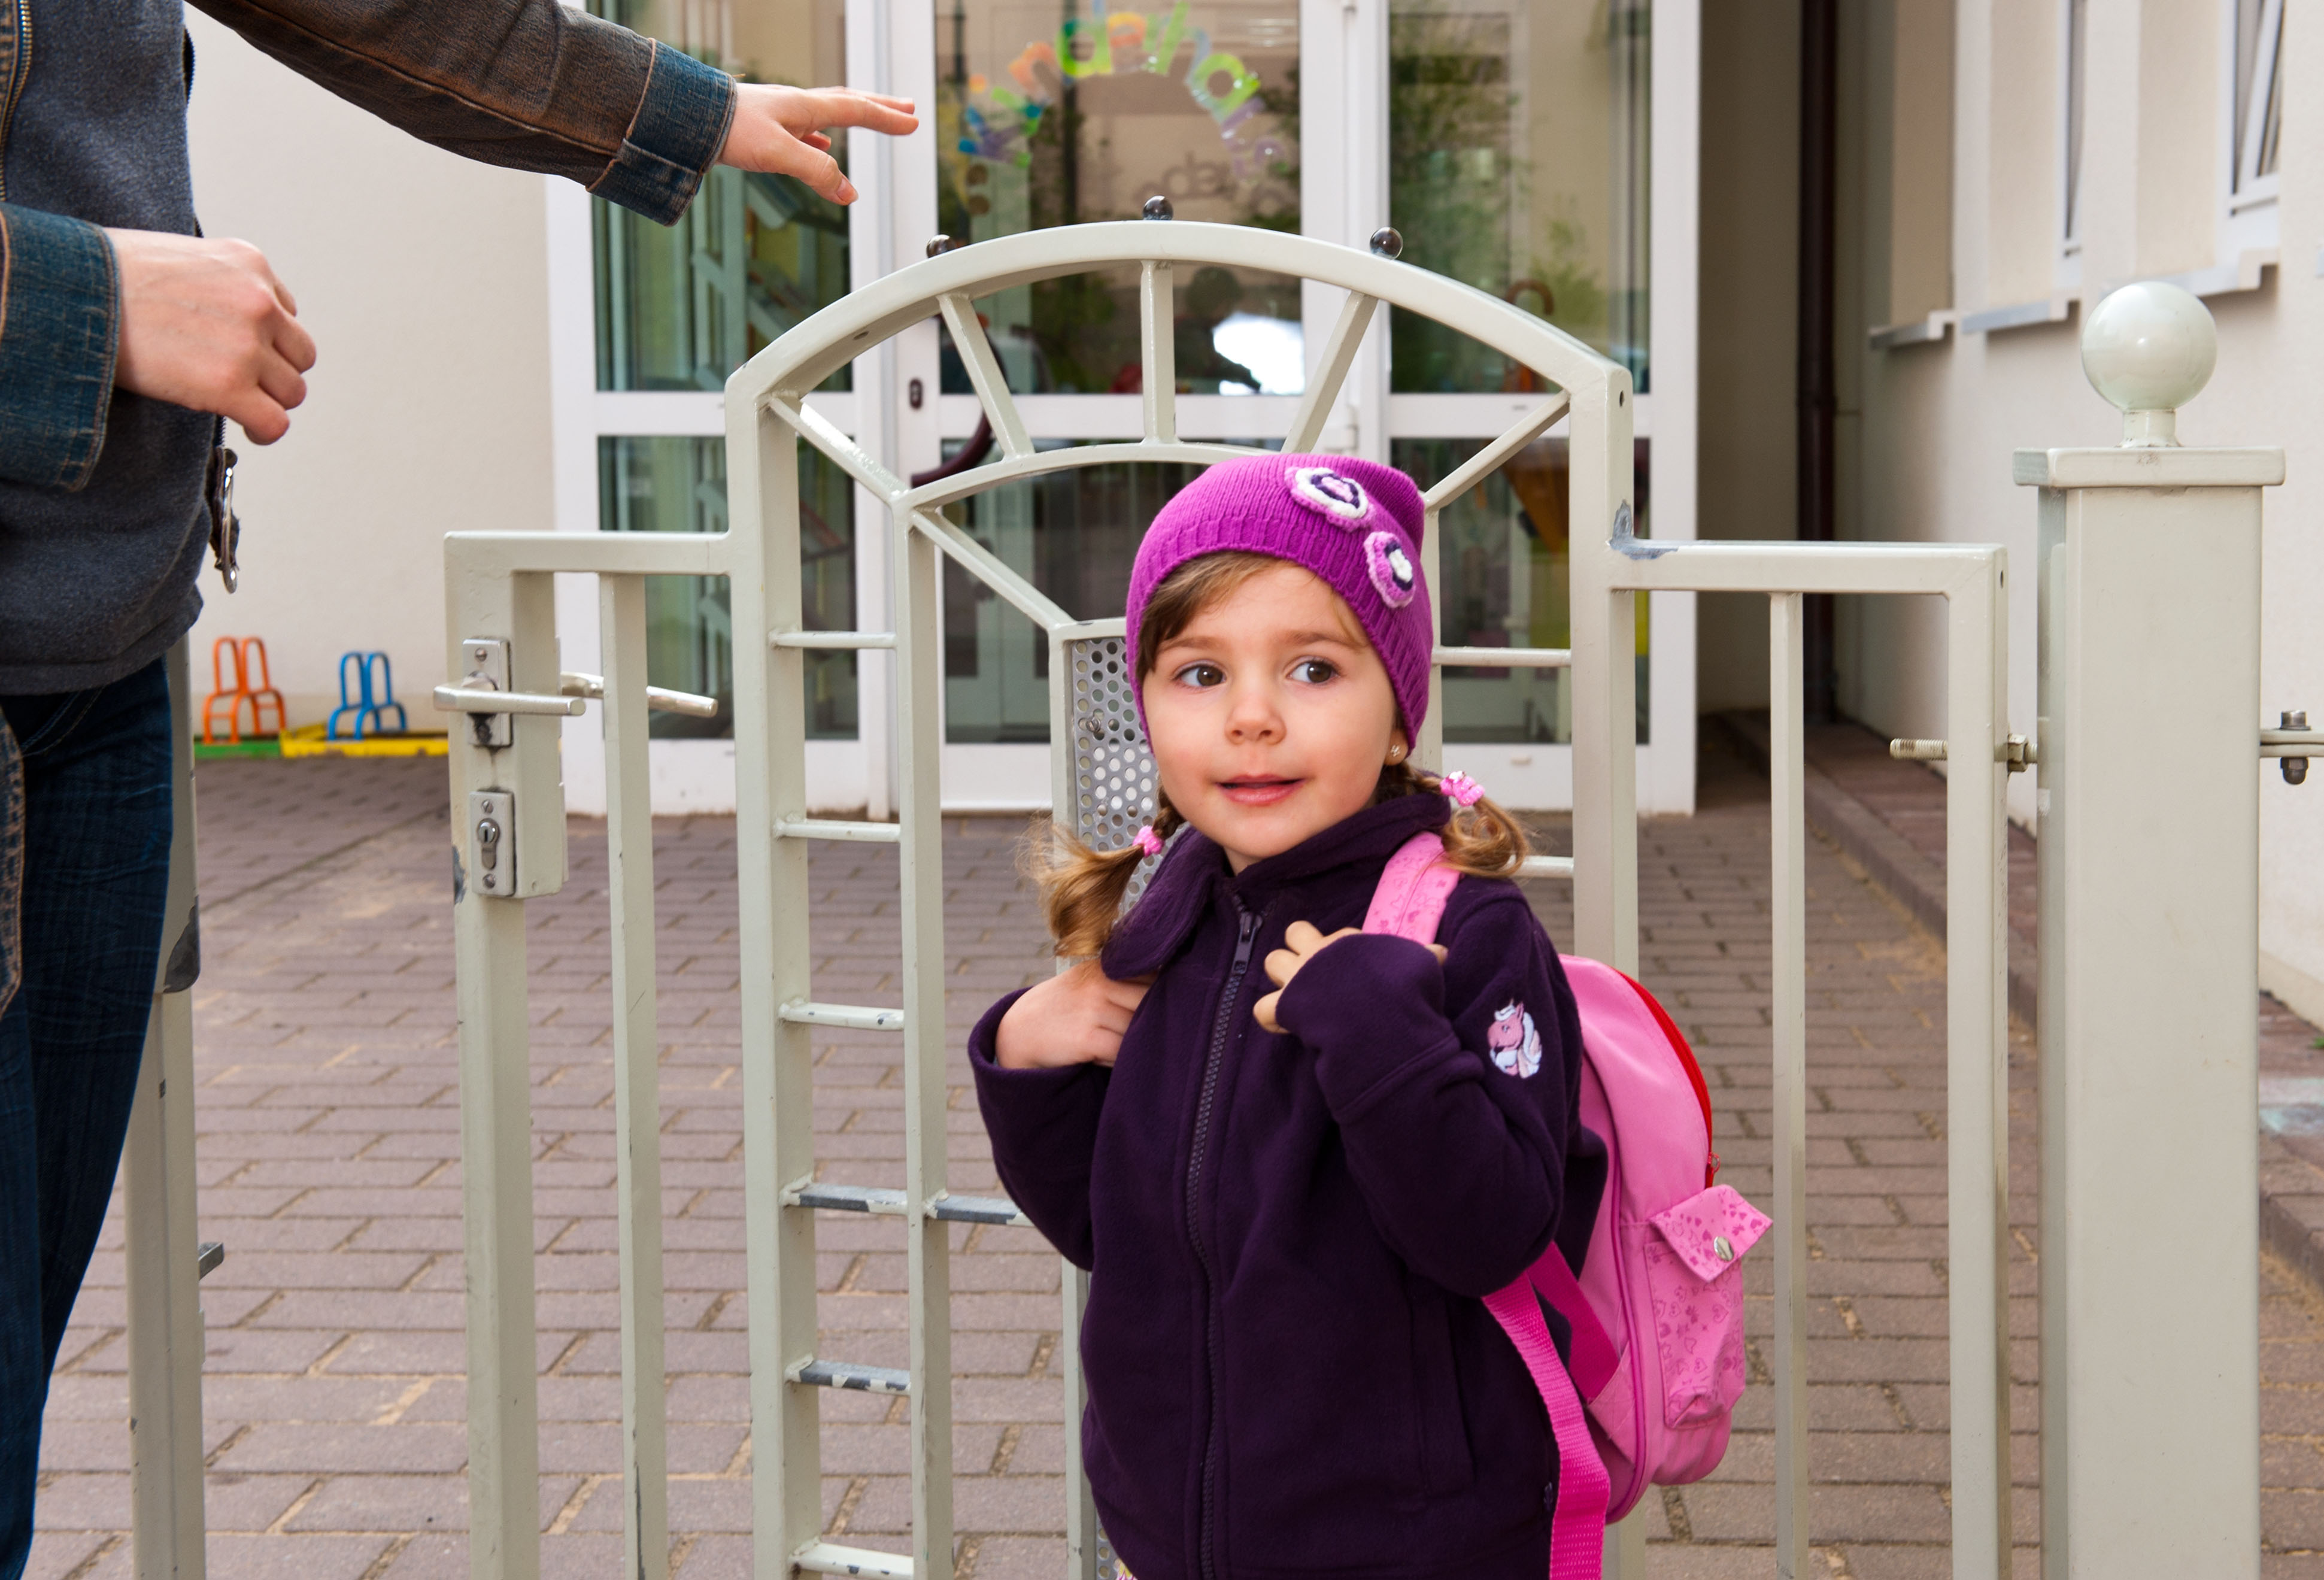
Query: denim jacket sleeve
x=530 y=84
x=57 y=298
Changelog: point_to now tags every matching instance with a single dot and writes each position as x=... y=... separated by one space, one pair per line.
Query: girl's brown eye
x=1202 y=674
x=1314 y=671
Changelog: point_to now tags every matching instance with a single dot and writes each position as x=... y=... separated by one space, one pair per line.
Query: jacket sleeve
x=530 y=84
x=59 y=316
x=1044 y=1129
x=1461 y=1162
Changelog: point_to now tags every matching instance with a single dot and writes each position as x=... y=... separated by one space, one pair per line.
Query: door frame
x=1343 y=198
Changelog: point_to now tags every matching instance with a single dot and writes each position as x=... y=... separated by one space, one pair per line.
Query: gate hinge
x=2291 y=744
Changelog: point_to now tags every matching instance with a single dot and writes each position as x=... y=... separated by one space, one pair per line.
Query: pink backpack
x=1657 y=1309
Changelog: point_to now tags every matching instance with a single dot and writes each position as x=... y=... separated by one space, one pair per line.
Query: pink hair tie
x=1148 y=841
x=1467 y=792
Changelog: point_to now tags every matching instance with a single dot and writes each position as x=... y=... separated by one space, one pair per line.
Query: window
x=1504 y=579
x=2258 y=128
x=679 y=485
x=1054 y=114
x=1517 y=155
x=1517 y=163
x=2074 y=103
x=1073 y=534
x=680 y=307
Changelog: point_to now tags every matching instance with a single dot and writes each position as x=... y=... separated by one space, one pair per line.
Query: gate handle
x=461 y=700
x=657 y=699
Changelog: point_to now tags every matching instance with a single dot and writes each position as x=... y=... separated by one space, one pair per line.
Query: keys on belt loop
x=226 y=527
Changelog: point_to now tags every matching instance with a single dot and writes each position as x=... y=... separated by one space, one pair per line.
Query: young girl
x=1291 y=1201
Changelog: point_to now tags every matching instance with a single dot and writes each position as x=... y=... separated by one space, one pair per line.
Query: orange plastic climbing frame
x=245 y=657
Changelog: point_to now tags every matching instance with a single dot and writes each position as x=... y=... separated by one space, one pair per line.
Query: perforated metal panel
x=1113 y=774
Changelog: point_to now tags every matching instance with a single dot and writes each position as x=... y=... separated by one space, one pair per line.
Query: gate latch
x=492 y=843
x=484 y=695
x=2019 y=752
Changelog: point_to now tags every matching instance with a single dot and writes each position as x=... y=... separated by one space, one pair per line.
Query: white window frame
x=1343 y=198
x=2248 y=219
x=2073 y=141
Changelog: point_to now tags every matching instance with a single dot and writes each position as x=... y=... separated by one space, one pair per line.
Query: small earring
x=1395 y=755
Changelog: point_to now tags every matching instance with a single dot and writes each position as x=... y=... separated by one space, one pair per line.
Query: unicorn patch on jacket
x=1514 y=1040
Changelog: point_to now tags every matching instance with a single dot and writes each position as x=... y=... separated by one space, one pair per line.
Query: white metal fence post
x=2148 y=805
x=158 y=1189
x=506 y=641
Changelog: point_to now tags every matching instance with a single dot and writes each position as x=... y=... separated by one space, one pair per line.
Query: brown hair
x=1081 y=889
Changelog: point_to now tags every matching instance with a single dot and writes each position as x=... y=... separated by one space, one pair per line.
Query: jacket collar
x=1194 y=876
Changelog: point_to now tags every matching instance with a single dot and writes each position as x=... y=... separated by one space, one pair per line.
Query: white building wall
x=421 y=277
x=1941 y=419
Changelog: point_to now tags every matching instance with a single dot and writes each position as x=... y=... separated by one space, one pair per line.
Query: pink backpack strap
x=1413 y=890
x=1409 y=903
x=1577 y=1527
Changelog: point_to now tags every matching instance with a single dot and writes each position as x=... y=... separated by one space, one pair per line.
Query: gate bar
x=157 y=1187
x=1788 y=924
x=1972 y=580
x=637 y=1078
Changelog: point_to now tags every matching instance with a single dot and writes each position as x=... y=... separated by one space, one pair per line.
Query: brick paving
x=329 y=1166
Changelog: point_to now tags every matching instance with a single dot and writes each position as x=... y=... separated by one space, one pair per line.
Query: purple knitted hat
x=1354 y=524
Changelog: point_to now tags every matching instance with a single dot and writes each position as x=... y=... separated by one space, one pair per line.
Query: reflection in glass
x=1504 y=579
x=1063 y=112
x=682 y=306
x=1517 y=163
x=680 y=485
x=1073 y=534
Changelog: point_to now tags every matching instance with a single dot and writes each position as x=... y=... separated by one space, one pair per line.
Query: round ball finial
x=2149 y=349
x=939 y=243
x=1157 y=206
x=1387 y=241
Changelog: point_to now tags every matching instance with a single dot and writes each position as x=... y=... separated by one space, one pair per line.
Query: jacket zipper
x=23 y=65
x=1246 y=935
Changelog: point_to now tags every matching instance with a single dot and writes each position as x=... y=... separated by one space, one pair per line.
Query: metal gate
x=509 y=824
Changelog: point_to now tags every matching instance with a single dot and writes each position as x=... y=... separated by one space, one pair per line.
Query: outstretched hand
x=1303 y=941
x=1076 y=1017
x=781 y=130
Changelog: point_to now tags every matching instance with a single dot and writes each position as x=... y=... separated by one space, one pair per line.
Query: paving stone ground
x=329 y=1167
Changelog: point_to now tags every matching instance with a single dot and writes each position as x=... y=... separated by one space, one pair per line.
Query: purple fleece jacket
x=1290 y=1372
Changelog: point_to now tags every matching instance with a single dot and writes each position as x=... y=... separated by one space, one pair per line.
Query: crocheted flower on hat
x=1391 y=568
x=1333 y=496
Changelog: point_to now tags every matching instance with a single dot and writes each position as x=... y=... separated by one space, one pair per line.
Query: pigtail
x=1482 y=839
x=1081 y=888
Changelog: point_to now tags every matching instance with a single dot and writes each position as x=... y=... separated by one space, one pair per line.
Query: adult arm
x=58 y=303
x=1461 y=1164
x=529 y=84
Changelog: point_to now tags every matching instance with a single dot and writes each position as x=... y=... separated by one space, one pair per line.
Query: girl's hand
x=1076 y=1017
x=1305 y=942
x=780 y=131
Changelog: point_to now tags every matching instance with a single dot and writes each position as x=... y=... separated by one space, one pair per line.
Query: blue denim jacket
x=529 y=84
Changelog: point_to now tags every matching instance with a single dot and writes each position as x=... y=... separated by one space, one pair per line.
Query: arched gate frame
x=509 y=834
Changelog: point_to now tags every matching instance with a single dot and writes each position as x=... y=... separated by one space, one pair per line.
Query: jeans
x=96 y=829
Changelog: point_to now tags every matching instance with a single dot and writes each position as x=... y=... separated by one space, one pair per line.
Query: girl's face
x=1270 y=714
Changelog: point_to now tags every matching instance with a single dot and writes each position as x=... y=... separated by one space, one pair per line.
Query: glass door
x=1060 y=114
x=1511 y=142
x=1518 y=162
